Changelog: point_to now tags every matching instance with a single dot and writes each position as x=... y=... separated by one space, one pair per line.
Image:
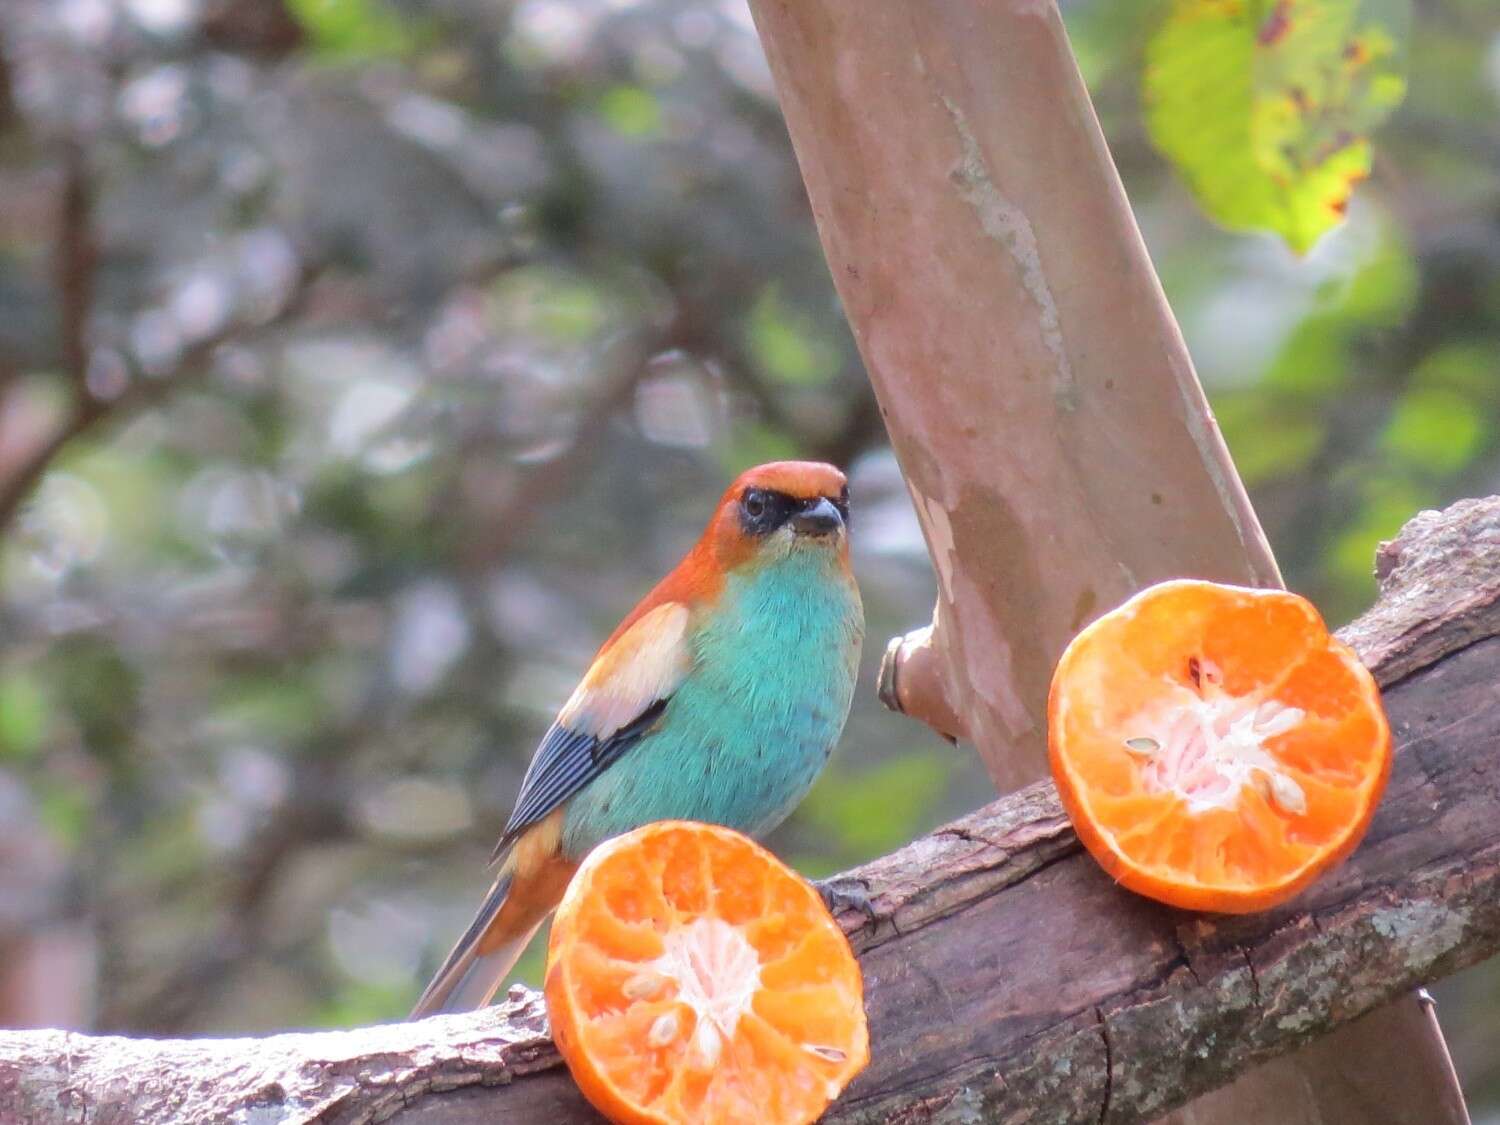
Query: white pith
x=1207 y=745
x=717 y=973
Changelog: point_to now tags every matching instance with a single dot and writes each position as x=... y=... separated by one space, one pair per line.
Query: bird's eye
x=755 y=504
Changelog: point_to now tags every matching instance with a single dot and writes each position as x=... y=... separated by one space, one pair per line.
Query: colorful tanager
x=718 y=698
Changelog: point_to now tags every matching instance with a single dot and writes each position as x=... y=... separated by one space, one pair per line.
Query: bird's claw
x=846 y=892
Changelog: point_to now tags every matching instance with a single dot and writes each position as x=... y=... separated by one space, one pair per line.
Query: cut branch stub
x=911 y=682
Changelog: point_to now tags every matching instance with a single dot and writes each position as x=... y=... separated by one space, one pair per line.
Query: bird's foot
x=846 y=892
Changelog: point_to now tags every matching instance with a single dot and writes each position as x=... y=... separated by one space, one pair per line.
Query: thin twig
x=89 y=412
x=75 y=265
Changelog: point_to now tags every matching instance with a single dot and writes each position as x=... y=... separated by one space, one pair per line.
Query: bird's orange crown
x=724 y=545
x=801 y=480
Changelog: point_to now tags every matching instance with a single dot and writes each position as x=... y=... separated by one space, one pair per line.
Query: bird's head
x=774 y=510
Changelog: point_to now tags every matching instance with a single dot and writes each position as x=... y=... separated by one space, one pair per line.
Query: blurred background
x=363 y=361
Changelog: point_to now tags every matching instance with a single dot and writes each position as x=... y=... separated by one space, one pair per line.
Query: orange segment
x=692 y=977
x=1215 y=747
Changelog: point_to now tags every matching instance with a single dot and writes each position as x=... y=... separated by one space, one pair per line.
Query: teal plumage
x=718 y=698
x=747 y=733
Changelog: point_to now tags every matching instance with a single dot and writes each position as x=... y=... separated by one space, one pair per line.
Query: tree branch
x=75 y=264
x=88 y=411
x=1006 y=975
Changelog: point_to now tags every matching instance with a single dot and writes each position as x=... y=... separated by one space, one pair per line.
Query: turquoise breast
x=746 y=734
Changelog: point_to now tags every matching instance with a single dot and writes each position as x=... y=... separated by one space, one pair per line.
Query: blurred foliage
x=351 y=29
x=1264 y=106
x=416 y=336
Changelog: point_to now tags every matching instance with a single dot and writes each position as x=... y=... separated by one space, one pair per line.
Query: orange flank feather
x=529 y=884
x=538 y=876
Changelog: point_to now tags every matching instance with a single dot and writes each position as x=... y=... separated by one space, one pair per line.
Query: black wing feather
x=564 y=763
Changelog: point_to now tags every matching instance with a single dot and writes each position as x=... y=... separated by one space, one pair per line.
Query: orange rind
x=1216 y=747
x=693 y=977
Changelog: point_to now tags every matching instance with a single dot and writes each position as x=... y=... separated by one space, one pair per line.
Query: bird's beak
x=817 y=517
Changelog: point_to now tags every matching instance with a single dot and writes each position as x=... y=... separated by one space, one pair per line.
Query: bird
x=718 y=698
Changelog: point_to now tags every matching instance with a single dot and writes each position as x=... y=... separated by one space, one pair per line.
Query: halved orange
x=1215 y=747
x=693 y=977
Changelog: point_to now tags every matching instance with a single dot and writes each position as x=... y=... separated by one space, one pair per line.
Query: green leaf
x=1313 y=362
x=1387 y=504
x=24 y=714
x=64 y=810
x=1268 y=437
x=1436 y=431
x=352 y=29
x=874 y=810
x=787 y=344
x=1264 y=107
x=631 y=111
x=556 y=304
x=1106 y=35
x=1384 y=289
x=362 y=1002
x=531 y=969
x=284 y=707
x=99 y=688
x=753 y=444
x=1465 y=368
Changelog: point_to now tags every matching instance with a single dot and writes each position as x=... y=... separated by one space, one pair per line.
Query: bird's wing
x=620 y=698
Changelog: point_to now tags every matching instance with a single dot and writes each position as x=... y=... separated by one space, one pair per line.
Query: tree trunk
x=1054 y=436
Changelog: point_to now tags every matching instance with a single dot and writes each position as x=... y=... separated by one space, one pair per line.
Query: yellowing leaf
x=1264 y=107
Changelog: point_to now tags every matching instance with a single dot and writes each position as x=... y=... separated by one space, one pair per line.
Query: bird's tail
x=483 y=956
